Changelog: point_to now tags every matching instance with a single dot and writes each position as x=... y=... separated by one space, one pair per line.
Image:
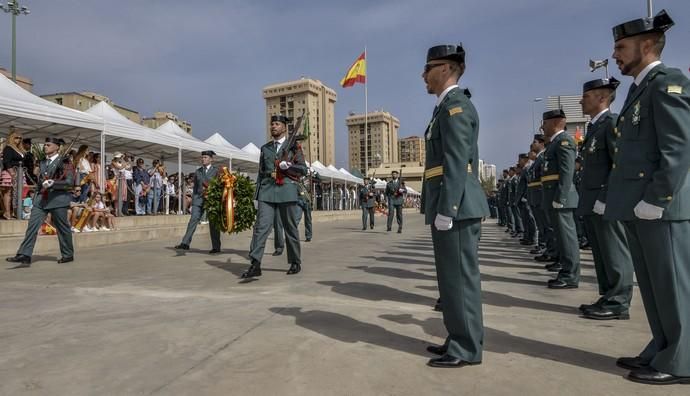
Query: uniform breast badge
x=593 y=145
x=636 y=114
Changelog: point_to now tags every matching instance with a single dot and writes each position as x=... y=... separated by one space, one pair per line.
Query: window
x=58 y=101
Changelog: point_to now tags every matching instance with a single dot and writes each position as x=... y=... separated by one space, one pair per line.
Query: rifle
x=284 y=152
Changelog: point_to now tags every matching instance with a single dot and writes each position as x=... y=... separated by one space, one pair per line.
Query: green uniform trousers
x=264 y=224
x=306 y=210
x=612 y=262
x=367 y=212
x=59 y=219
x=563 y=221
x=660 y=252
x=459 y=284
x=197 y=213
x=398 y=209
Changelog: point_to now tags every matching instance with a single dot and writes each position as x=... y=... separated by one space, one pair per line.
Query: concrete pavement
x=141 y=319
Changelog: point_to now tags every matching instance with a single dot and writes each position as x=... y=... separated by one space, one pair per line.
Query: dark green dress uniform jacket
x=366 y=201
x=654 y=169
x=202 y=178
x=521 y=187
x=395 y=197
x=597 y=153
x=456 y=191
x=267 y=189
x=58 y=195
x=558 y=171
x=534 y=182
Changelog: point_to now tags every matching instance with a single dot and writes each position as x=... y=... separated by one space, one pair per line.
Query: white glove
x=256 y=204
x=557 y=205
x=401 y=190
x=646 y=211
x=48 y=183
x=284 y=165
x=443 y=223
x=523 y=200
x=599 y=208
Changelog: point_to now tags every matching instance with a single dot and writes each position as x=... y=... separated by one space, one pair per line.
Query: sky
x=208 y=60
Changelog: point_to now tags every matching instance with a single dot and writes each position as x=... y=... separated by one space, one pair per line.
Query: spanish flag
x=357 y=72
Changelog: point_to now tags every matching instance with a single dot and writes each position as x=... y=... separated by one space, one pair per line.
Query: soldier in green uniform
x=504 y=197
x=521 y=201
x=534 y=198
x=550 y=254
x=277 y=193
x=56 y=179
x=304 y=204
x=518 y=229
x=367 y=201
x=395 y=191
x=202 y=177
x=607 y=238
x=454 y=203
x=649 y=191
x=559 y=195
x=499 y=203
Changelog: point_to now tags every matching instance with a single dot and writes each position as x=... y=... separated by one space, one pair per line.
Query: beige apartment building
x=412 y=149
x=314 y=99
x=22 y=81
x=382 y=139
x=82 y=101
x=160 y=117
x=411 y=172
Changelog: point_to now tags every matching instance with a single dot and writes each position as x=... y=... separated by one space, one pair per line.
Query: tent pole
x=102 y=175
x=180 y=193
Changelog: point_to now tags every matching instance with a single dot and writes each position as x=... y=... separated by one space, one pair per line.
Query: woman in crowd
x=83 y=166
x=12 y=157
x=96 y=168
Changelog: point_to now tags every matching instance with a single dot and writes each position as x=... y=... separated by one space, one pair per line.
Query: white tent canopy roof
x=252 y=149
x=128 y=136
x=37 y=117
x=246 y=162
x=219 y=140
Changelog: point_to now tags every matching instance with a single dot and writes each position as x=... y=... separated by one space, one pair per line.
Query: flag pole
x=366 y=115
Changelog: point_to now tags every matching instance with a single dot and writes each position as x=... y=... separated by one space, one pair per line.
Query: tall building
x=317 y=101
x=573 y=111
x=83 y=101
x=487 y=171
x=382 y=139
x=412 y=149
x=160 y=117
x=22 y=81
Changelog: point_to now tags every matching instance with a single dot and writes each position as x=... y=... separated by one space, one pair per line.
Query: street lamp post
x=15 y=9
x=535 y=100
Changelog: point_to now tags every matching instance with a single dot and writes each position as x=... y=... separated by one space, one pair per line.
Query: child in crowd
x=99 y=212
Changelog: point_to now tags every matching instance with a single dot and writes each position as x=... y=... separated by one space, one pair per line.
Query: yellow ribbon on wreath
x=228 y=203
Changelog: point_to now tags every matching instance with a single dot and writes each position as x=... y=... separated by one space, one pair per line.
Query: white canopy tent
x=242 y=160
x=252 y=149
x=218 y=139
x=36 y=117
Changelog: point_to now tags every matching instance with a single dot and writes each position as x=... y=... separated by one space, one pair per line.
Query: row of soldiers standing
x=634 y=199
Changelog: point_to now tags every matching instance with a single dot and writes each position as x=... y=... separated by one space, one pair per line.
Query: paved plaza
x=140 y=319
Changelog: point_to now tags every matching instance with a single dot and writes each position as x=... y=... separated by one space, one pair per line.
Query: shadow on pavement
x=346 y=329
x=498 y=341
x=374 y=292
x=394 y=272
x=497 y=278
x=397 y=260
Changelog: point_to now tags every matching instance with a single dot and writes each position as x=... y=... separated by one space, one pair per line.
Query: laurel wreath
x=245 y=214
